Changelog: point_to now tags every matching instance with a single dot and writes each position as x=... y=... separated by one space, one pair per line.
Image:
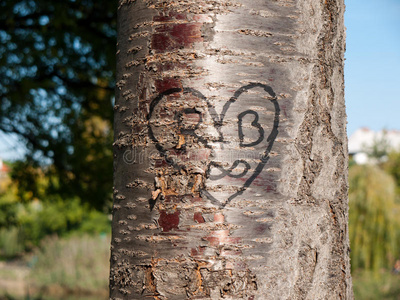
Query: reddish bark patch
x=197 y=251
x=198 y=217
x=174 y=36
x=169 y=221
x=219 y=218
x=186 y=34
x=162 y=19
x=161 y=42
x=195 y=199
x=167 y=83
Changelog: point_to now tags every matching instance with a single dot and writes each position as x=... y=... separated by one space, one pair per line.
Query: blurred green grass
x=369 y=285
x=75 y=267
x=76 y=263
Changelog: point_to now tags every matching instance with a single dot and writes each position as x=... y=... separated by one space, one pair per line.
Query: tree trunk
x=231 y=151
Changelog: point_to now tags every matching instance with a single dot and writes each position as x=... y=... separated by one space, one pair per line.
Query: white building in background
x=364 y=138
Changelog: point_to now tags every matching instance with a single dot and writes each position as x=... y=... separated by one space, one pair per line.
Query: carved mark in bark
x=173 y=151
x=254 y=124
x=308 y=259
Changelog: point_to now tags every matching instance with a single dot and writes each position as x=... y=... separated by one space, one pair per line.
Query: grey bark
x=230 y=151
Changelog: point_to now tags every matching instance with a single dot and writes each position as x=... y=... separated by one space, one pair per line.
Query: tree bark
x=230 y=151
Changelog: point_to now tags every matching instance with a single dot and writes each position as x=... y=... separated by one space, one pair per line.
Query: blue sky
x=372 y=81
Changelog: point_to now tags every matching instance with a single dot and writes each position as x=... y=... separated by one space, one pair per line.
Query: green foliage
x=30 y=182
x=39 y=219
x=23 y=224
x=11 y=244
x=95 y=223
x=368 y=285
x=61 y=217
x=77 y=263
x=373 y=218
x=9 y=206
x=392 y=167
x=57 y=61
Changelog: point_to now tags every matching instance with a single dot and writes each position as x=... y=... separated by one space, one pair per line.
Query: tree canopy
x=57 y=61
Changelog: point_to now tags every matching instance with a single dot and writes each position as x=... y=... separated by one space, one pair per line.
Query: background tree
x=57 y=60
x=392 y=167
x=373 y=218
x=230 y=151
x=379 y=150
x=374 y=225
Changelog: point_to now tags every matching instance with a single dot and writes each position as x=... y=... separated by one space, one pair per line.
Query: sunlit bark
x=230 y=151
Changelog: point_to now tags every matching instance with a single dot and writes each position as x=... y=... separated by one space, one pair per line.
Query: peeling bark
x=230 y=151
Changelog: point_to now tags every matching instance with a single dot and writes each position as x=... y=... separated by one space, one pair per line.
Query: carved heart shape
x=180 y=131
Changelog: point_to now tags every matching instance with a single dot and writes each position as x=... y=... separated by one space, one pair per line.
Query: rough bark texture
x=230 y=151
